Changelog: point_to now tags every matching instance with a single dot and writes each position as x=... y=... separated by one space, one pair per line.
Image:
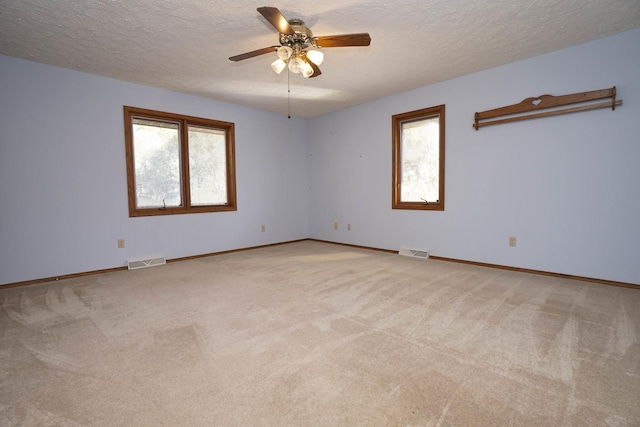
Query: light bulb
x=315 y=56
x=278 y=65
x=295 y=64
x=284 y=52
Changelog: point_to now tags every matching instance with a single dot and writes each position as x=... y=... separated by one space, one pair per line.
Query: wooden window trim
x=396 y=126
x=184 y=121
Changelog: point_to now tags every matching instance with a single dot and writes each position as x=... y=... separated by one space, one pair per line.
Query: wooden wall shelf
x=527 y=108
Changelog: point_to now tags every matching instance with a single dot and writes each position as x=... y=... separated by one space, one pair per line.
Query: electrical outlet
x=263 y=228
x=512 y=241
x=120 y=243
x=348 y=227
x=335 y=225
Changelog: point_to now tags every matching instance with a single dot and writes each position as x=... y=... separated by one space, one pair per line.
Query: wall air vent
x=144 y=263
x=415 y=253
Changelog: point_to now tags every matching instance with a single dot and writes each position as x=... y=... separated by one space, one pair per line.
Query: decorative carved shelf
x=525 y=109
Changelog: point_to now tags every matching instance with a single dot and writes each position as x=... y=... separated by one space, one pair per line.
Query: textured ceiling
x=185 y=45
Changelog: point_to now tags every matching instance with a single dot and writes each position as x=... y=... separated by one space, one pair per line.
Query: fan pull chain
x=288 y=93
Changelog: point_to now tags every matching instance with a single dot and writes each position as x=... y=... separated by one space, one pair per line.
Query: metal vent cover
x=144 y=263
x=415 y=253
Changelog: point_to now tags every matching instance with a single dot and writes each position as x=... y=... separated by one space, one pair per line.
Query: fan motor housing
x=303 y=35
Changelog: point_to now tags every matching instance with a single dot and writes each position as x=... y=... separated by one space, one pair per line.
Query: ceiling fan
x=298 y=46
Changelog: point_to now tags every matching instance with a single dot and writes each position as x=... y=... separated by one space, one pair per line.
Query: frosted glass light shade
x=296 y=64
x=284 y=52
x=315 y=56
x=307 y=71
x=278 y=65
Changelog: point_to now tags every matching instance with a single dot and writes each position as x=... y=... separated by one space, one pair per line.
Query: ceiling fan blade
x=253 y=53
x=316 y=70
x=275 y=18
x=359 y=39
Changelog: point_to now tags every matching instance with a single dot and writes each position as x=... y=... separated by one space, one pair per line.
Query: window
x=178 y=164
x=418 y=159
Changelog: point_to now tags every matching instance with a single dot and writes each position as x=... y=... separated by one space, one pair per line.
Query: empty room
x=339 y=213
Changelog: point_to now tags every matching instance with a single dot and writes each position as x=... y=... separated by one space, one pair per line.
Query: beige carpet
x=314 y=334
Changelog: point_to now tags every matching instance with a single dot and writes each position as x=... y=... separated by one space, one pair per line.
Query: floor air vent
x=144 y=263
x=415 y=253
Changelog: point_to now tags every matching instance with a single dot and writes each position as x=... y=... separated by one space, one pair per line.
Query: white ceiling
x=185 y=45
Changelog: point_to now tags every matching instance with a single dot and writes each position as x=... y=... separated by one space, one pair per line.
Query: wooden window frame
x=396 y=126
x=229 y=128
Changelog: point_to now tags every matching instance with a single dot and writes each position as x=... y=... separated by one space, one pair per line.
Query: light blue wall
x=63 y=187
x=568 y=187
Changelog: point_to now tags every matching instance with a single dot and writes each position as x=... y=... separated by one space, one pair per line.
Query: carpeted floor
x=315 y=334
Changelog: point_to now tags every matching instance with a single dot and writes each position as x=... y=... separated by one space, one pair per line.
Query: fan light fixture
x=315 y=56
x=284 y=52
x=297 y=60
x=296 y=64
x=307 y=71
x=278 y=65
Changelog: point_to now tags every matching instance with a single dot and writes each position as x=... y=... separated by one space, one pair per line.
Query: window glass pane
x=156 y=152
x=420 y=156
x=207 y=166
